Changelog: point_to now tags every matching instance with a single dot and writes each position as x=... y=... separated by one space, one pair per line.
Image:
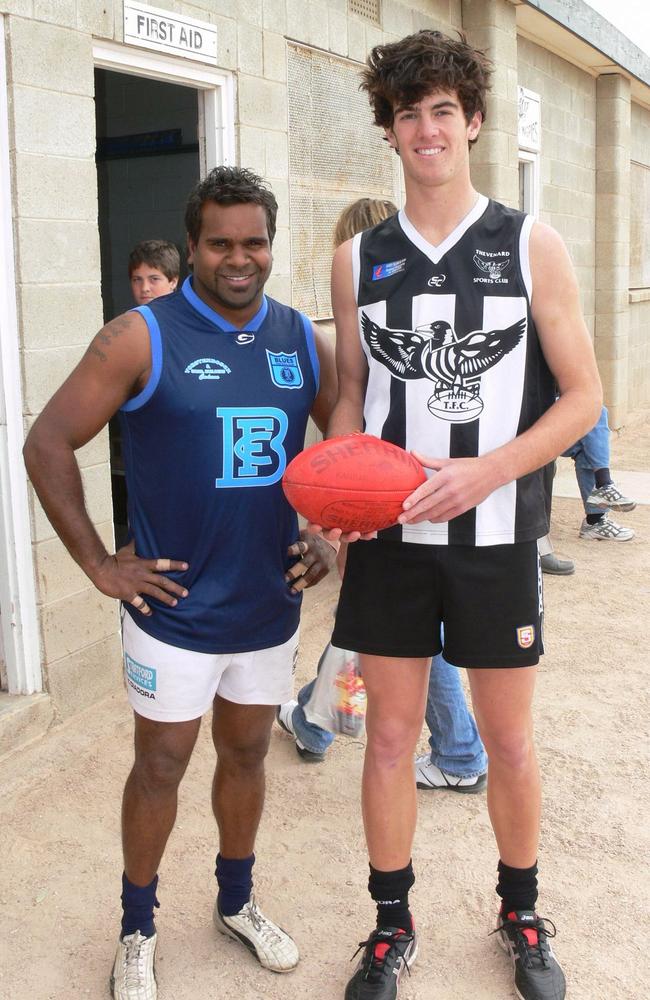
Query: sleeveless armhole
x=524 y=256
x=356 y=265
x=311 y=347
x=155 y=341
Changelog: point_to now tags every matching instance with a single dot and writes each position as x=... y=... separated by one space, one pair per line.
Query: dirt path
x=59 y=884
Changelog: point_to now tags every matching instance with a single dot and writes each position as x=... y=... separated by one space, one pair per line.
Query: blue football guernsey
x=205 y=445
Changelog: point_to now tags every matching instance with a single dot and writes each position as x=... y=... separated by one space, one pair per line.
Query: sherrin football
x=355 y=482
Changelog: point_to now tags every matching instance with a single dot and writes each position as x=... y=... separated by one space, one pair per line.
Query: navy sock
x=390 y=891
x=603 y=477
x=235 y=879
x=517 y=887
x=138 y=902
x=594 y=518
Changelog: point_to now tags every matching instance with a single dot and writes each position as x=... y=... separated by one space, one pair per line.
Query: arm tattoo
x=108 y=334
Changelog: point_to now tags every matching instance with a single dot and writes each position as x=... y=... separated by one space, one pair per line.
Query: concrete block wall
x=639 y=296
x=52 y=147
x=490 y=25
x=611 y=340
x=568 y=157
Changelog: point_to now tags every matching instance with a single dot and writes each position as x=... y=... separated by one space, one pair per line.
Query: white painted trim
x=19 y=620
x=533 y=200
x=216 y=98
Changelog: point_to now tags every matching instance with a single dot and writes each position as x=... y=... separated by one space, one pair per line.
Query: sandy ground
x=59 y=884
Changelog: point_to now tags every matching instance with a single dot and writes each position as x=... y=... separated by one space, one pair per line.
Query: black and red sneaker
x=538 y=975
x=387 y=952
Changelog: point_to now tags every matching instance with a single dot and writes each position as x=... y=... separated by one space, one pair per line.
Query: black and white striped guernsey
x=455 y=364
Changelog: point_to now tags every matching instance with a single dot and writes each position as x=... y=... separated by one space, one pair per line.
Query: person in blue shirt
x=214 y=386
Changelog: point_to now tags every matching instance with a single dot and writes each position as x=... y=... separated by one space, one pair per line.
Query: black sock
x=137 y=907
x=594 y=518
x=390 y=891
x=603 y=477
x=517 y=887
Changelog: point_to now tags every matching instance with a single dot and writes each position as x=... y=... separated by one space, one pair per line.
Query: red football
x=355 y=482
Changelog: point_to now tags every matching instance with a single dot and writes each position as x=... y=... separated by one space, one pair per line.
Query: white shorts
x=169 y=684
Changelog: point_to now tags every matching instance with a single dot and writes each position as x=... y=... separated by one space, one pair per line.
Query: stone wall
x=568 y=157
x=639 y=344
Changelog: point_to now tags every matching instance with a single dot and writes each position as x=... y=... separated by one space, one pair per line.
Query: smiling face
x=232 y=260
x=432 y=138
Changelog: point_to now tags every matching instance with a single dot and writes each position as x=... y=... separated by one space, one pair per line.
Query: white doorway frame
x=216 y=92
x=18 y=617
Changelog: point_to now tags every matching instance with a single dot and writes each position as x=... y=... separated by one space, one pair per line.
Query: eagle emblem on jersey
x=454 y=364
x=491 y=265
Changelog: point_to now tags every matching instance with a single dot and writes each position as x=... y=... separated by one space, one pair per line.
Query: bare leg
x=241 y=736
x=162 y=753
x=397 y=695
x=502 y=702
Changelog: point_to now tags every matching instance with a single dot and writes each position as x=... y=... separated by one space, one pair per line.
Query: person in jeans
x=599 y=493
x=457 y=758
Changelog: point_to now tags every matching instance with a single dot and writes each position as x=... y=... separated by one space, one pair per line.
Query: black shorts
x=396 y=596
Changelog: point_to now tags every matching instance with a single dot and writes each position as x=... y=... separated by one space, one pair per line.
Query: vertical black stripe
x=399 y=314
x=463 y=440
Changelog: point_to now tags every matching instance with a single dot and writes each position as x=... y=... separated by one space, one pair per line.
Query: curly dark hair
x=401 y=73
x=229 y=186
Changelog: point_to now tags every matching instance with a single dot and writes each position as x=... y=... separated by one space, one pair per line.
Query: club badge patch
x=285 y=370
x=525 y=636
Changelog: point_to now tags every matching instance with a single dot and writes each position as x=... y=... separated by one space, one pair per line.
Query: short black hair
x=229 y=186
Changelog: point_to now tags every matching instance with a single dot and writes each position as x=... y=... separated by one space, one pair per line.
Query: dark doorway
x=147 y=162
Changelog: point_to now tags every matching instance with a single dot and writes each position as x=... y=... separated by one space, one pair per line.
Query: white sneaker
x=284 y=715
x=609 y=497
x=134 y=974
x=427 y=775
x=605 y=530
x=272 y=946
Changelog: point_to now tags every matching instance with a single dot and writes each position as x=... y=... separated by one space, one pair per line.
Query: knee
x=391 y=742
x=244 y=755
x=512 y=750
x=159 y=769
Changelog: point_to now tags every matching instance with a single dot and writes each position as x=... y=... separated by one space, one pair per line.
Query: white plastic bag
x=338 y=699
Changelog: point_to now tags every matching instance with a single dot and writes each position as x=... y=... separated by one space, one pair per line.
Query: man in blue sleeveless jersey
x=453 y=320
x=214 y=387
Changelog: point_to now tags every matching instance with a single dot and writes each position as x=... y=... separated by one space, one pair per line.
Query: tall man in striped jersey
x=454 y=319
x=214 y=387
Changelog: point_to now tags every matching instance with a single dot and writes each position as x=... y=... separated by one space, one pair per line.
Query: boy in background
x=154 y=269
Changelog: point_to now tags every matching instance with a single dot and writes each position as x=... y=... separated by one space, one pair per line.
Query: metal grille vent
x=368 y=9
x=336 y=155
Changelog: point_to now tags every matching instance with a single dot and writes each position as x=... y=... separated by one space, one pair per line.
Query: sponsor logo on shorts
x=525 y=636
x=142 y=679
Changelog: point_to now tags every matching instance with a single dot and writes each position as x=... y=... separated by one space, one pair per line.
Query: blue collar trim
x=214 y=317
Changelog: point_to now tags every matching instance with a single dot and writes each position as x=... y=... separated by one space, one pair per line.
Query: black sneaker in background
x=538 y=975
x=387 y=952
